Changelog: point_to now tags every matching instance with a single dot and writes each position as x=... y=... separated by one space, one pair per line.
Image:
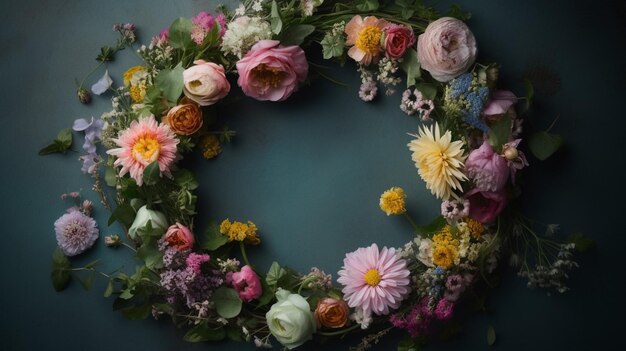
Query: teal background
x=309 y=172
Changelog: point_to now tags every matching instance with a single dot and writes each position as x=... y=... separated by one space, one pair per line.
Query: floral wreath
x=467 y=152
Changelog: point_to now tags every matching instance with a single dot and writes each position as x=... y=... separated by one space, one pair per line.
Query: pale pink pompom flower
x=144 y=142
x=247 y=284
x=374 y=281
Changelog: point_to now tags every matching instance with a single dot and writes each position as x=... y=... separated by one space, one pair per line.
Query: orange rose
x=184 y=119
x=179 y=237
x=332 y=313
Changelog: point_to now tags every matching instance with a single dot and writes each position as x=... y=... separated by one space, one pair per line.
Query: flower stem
x=90 y=73
x=243 y=253
x=413 y=224
x=339 y=332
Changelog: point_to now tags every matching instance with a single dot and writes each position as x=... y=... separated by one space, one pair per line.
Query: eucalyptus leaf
x=276 y=23
x=296 y=34
x=227 y=302
x=170 y=82
x=110 y=176
x=213 y=239
x=152 y=173
x=543 y=144
x=411 y=66
x=179 y=36
x=491 y=336
x=499 y=133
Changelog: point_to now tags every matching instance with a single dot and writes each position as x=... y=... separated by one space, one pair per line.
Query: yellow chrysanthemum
x=475 y=227
x=392 y=201
x=439 y=161
x=128 y=75
x=238 y=231
x=137 y=92
x=210 y=145
x=444 y=237
x=445 y=255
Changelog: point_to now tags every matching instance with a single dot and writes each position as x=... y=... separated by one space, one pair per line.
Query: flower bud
x=511 y=153
x=112 y=240
x=83 y=95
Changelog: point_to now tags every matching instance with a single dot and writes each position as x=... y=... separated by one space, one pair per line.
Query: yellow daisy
x=392 y=201
x=439 y=161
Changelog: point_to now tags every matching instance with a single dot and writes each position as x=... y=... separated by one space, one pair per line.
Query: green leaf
x=110 y=176
x=407 y=344
x=429 y=91
x=275 y=273
x=411 y=66
x=582 y=243
x=296 y=34
x=499 y=133
x=137 y=312
x=136 y=204
x=149 y=252
x=170 y=82
x=201 y=332
x=267 y=295
x=227 y=302
x=109 y=289
x=276 y=22
x=60 y=274
x=333 y=46
x=65 y=136
x=234 y=334
x=152 y=173
x=213 y=239
x=186 y=179
x=543 y=144
x=407 y=13
x=53 y=148
x=368 y=5
x=436 y=225
x=180 y=33
x=87 y=281
x=61 y=144
x=491 y=336
x=124 y=214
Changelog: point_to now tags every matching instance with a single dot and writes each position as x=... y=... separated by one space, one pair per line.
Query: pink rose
x=446 y=49
x=179 y=237
x=500 y=102
x=487 y=169
x=485 y=206
x=272 y=72
x=247 y=284
x=205 y=83
x=397 y=39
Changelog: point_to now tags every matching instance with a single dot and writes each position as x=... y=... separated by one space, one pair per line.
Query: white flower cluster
x=157 y=56
x=386 y=74
x=242 y=33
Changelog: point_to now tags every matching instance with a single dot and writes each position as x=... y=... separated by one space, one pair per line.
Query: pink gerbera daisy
x=374 y=280
x=144 y=142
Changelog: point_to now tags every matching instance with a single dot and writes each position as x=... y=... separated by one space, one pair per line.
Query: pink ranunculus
x=397 y=39
x=205 y=83
x=500 y=102
x=446 y=49
x=247 y=284
x=179 y=237
x=485 y=206
x=272 y=72
x=487 y=169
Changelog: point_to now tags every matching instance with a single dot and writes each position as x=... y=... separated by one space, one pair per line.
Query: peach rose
x=184 y=119
x=332 y=313
x=179 y=237
x=446 y=49
x=205 y=83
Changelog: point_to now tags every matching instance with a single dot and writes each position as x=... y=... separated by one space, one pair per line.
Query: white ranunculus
x=144 y=215
x=425 y=254
x=290 y=319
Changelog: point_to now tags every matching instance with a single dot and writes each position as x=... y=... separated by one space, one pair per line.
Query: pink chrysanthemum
x=144 y=142
x=374 y=280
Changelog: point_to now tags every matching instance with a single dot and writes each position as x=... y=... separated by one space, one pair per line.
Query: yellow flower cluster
x=238 y=231
x=210 y=145
x=475 y=227
x=135 y=79
x=446 y=251
x=392 y=201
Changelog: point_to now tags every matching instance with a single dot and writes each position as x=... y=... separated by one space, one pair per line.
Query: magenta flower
x=485 y=206
x=374 y=280
x=272 y=72
x=247 y=284
x=444 y=310
x=487 y=169
x=397 y=39
x=195 y=261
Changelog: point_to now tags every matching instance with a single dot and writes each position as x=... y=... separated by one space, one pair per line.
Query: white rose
x=290 y=319
x=157 y=219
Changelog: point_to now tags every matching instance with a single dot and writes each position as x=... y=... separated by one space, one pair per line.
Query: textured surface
x=309 y=171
